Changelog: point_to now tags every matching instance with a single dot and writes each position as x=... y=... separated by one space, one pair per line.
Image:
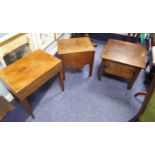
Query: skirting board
x=9 y=97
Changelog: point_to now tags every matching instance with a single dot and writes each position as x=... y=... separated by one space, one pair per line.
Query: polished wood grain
x=123 y=59
x=26 y=75
x=5 y=107
x=75 y=45
x=125 y=52
x=76 y=52
x=124 y=71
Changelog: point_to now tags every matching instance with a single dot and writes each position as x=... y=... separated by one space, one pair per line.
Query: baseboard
x=9 y=97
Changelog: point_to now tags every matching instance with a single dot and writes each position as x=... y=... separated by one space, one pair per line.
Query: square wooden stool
x=26 y=75
x=123 y=59
x=76 y=52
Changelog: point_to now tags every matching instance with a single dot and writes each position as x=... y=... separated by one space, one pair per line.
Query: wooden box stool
x=26 y=75
x=123 y=59
x=76 y=52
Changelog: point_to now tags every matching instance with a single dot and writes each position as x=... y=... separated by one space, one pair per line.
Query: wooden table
x=76 y=52
x=123 y=59
x=26 y=75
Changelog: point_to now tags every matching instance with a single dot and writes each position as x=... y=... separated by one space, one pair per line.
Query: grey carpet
x=84 y=99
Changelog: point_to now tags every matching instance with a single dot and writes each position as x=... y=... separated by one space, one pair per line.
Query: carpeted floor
x=84 y=99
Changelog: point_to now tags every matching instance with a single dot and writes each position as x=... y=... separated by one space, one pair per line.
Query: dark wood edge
x=106 y=59
x=148 y=95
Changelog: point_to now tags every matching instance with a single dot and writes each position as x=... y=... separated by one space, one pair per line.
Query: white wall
x=52 y=49
x=4 y=92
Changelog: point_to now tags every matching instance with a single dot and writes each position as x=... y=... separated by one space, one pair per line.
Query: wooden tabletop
x=125 y=53
x=75 y=45
x=24 y=71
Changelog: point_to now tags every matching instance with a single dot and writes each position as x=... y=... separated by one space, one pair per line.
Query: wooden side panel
x=39 y=82
x=77 y=60
x=118 y=69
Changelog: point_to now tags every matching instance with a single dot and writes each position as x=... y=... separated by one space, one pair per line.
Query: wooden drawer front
x=118 y=69
x=77 y=60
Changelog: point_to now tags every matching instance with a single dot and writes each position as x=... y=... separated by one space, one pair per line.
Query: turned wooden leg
x=61 y=80
x=140 y=94
x=27 y=107
x=101 y=70
x=135 y=74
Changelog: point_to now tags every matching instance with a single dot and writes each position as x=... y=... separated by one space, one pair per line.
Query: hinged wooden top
x=125 y=53
x=24 y=71
x=75 y=45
